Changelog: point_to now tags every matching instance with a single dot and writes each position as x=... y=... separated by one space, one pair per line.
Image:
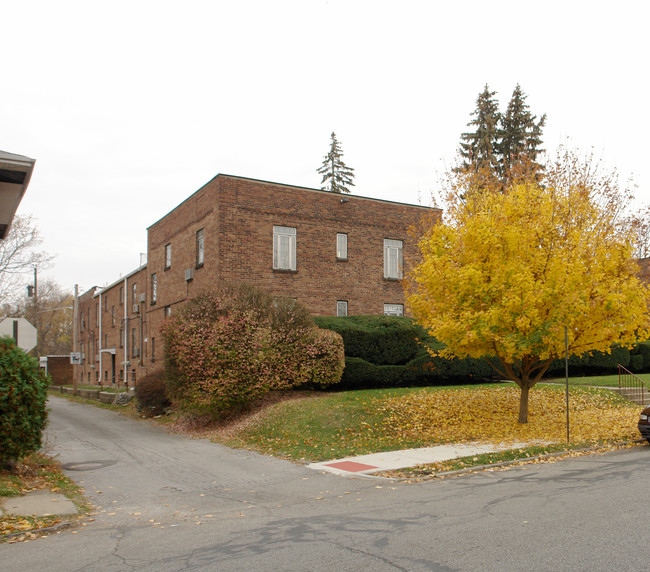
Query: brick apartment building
x=337 y=254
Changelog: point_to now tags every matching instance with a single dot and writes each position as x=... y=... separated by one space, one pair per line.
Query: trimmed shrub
x=603 y=362
x=23 y=392
x=235 y=343
x=636 y=363
x=381 y=340
x=392 y=351
x=151 y=394
x=643 y=349
x=599 y=362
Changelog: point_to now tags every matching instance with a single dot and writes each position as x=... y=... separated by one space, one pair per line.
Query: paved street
x=168 y=503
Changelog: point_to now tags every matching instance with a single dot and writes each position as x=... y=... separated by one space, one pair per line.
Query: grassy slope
x=338 y=425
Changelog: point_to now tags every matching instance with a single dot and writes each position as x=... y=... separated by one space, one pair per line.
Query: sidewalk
x=390 y=460
x=38 y=503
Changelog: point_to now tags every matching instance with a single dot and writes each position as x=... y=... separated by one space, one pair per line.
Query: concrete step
x=635 y=395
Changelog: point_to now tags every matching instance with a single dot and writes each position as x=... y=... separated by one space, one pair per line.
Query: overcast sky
x=128 y=107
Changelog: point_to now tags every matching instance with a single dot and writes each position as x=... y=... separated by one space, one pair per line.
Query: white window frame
x=341 y=246
x=393 y=262
x=284 y=248
x=154 y=288
x=168 y=256
x=200 y=248
x=393 y=309
x=341 y=307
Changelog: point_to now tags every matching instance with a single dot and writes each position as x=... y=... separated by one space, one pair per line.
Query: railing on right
x=631 y=386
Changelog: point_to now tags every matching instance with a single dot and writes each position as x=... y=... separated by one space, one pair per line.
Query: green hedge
x=380 y=340
x=642 y=349
x=600 y=362
x=391 y=351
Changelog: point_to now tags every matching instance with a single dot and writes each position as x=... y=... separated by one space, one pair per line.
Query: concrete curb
x=479 y=468
x=54 y=528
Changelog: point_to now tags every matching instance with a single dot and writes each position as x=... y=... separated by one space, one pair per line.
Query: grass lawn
x=598 y=380
x=330 y=426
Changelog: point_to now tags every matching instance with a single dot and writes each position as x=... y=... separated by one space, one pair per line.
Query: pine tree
x=337 y=176
x=520 y=135
x=479 y=148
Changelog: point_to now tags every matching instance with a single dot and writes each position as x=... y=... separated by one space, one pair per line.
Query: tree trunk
x=523 y=402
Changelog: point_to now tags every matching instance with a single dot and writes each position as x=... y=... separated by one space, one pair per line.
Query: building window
x=121 y=295
x=134 y=291
x=153 y=349
x=341 y=246
x=168 y=256
x=392 y=259
x=112 y=316
x=121 y=337
x=200 y=248
x=105 y=303
x=167 y=311
x=154 y=288
x=105 y=340
x=284 y=248
x=393 y=309
x=134 y=342
x=341 y=308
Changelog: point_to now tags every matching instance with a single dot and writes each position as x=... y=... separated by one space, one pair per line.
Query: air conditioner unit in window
x=189 y=274
x=143 y=297
x=136 y=308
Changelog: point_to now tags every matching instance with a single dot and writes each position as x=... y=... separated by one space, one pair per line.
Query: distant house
x=337 y=254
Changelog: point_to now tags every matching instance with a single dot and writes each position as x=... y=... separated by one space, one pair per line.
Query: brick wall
x=237 y=216
x=59 y=369
x=115 y=348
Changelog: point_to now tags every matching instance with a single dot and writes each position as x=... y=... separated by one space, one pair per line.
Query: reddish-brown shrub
x=151 y=394
x=235 y=343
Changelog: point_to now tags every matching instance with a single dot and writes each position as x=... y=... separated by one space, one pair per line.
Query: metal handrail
x=631 y=383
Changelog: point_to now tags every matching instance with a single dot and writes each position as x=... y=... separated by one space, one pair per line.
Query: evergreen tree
x=479 y=148
x=337 y=176
x=520 y=135
x=501 y=145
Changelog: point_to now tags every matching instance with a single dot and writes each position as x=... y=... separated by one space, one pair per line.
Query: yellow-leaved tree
x=511 y=266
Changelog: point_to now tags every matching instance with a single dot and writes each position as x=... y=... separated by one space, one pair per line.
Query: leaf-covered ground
x=490 y=414
x=36 y=472
x=358 y=422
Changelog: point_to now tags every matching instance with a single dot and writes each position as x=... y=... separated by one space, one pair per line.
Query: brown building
x=337 y=254
x=58 y=368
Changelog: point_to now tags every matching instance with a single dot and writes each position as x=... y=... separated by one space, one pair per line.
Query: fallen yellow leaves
x=489 y=414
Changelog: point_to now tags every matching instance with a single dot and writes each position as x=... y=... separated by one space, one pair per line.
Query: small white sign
x=75 y=358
